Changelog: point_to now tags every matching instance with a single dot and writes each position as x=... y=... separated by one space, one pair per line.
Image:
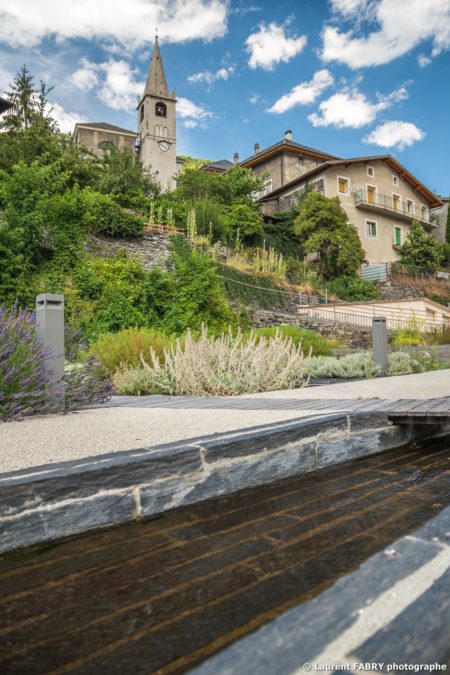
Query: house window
x=396 y=202
x=142 y=112
x=395 y=179
x=398 y=235
x=423 y=210
x=371 y=171
x=343 y=185
x=266 y=187
x=371 y=194
x=410 y=207
x=301 y=159
x=160 y=109
x=105 y=145
x=371 y=229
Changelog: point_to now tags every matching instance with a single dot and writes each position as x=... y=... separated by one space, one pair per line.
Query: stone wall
x=153 y=248
x=347 y=334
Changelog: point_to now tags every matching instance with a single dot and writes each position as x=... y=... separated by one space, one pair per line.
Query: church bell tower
x=157 y=124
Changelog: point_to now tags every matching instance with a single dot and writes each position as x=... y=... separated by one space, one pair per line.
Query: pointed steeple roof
x=156 y=84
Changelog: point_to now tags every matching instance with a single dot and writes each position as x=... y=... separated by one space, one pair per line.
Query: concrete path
x=130 y=423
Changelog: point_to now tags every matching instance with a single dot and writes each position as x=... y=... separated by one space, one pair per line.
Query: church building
x=155 y=140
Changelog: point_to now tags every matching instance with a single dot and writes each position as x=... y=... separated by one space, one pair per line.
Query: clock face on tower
x=163 y=146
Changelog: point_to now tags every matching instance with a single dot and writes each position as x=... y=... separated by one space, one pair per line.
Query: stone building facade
x=99 y=137
x=381 y=197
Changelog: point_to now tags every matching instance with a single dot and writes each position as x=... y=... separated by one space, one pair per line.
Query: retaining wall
x=43 y=504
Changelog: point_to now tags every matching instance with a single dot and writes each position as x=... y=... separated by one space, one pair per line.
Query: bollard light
x=380 y=342
x=50 y=331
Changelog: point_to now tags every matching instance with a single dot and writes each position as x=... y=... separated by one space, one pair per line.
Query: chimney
x=288 y=135
x=256 y=149
x=236 y=158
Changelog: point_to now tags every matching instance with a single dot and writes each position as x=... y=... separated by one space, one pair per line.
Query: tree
x=124 y=176
x=29 y=104
x=420 y=249
x=324 y=231
x=244 y=220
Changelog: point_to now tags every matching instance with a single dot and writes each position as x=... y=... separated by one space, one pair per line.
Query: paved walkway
x=127 y=423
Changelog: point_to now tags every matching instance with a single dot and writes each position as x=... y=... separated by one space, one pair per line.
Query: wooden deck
x=431 y=411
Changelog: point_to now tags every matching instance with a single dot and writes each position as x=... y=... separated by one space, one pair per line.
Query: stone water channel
x=163 y=595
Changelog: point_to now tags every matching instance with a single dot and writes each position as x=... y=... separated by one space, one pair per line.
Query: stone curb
x=47 y=503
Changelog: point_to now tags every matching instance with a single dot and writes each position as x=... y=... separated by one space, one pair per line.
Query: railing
x=400 y=206
x=395 y=318
x=163 y=229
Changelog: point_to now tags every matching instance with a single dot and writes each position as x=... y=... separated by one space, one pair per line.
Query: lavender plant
x=23 y=360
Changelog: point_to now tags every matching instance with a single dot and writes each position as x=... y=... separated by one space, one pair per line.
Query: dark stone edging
x=394 y=609
x=43 y=504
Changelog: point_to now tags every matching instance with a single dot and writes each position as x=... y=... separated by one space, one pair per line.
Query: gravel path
x=122 y=426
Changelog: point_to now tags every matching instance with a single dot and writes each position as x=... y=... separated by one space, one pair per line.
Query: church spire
x=156 y=84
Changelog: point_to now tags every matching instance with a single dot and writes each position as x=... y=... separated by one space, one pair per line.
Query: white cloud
x=254 y=98
x=133 y=23
x=119 y=89
x=86 y=77
x=115 y=81
x=66 y=120
x=423 y=60
x=348 y=8
x=351 y=108
x=395 y=134
x=209 y=77
x=192 y=114
x=401 y=28
x=270 y=45
x=304 y=93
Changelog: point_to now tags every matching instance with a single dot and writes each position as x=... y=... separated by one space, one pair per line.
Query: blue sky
x=352 y=77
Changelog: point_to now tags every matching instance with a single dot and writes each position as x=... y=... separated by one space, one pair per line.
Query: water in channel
x=164 y=595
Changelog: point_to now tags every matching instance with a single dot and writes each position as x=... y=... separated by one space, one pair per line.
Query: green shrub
x=307 y=339
x=361 y=366
x=225 y=366
x=104 y=216
x=123 y=349
x=411 y=335
x=352 y=366
x=353 y=289
x=402 y=363
x=250 y=289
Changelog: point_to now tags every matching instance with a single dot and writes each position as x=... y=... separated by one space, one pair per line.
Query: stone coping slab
x=394 y=611
x=47 y=503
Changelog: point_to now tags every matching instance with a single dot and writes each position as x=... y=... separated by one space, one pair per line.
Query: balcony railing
x=400 y=207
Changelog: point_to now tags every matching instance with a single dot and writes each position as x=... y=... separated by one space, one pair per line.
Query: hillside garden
x=54 y=196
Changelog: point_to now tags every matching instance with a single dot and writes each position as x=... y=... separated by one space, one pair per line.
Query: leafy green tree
x=246 y=221
x=235 y=186
x=123 y=176
x=323 y=228
x=26 y=193
x=420 y=249
x=15 y=278
x=197 y=293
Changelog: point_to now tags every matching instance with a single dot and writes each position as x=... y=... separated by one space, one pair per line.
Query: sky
x=350 y=77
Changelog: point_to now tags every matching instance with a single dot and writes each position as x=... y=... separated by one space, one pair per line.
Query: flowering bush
x=226 y=366
x=23 y=382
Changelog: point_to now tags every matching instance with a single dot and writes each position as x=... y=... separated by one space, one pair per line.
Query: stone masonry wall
x=348 y=334
x=153 y=248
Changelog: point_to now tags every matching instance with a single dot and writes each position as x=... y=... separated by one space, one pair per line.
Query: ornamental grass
x=218 y=366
